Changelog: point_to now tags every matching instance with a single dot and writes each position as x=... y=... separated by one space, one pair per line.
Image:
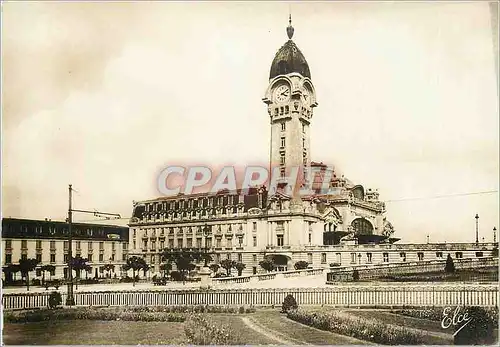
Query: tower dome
x=289 y=58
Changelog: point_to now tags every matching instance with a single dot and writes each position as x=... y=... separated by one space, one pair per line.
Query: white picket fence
x=342 y=295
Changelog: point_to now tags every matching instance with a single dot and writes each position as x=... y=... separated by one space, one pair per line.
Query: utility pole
x=70 y=299
x=477 y=228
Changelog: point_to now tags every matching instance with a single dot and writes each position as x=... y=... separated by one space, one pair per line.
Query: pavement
x=295 y=282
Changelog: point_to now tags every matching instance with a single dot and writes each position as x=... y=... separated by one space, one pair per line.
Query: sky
x=105 y=95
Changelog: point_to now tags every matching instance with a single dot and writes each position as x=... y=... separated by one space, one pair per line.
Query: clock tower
x=290 y=100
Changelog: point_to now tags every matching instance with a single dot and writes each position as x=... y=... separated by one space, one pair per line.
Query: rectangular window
x=24 y=256
x=101 y=246
x=8 y=258
x=24 y=244
x=402 y=255
x=38 y=272
x=386 y=257
x=125 y=246
x=208 y=243
x=479 y=254
x=66 y=245
x=113 y=257
x=310 y=238
x=218 y=243
x=458 y=255
x=39 y=258
x=90 y=245
x=101 y=257
x=145 y=243
x=240 y=257
x=254 y=257
x=254 y=270
x=78 y=245
x=66 y=257
x=113 y=246
x=135 y=244
x=254 y=226
x=89 y=256
x=280 y=240
x=8 y=244
x=162 y=245
x=240 y=241
x=229 y=256
x=38 y=244
x=283 y=142
x=255 y=241
x=283 y=126
x=198 y=243
x=323 y=258
x=439 y=254
x=310 y=258
x=52 y=258
x=189 y=243
x=420 y=256
x=353 y=258
x=124 y=257
x=368 y=257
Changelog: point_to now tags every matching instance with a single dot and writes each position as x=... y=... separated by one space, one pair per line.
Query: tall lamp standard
x=494 y=235
x=477 y=228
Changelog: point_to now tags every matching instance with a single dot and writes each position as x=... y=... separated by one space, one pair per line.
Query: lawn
x=86 y=332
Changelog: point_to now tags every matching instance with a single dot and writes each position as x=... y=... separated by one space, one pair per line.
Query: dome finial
x=289 y=29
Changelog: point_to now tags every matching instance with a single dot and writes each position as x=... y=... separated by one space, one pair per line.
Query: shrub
x=480 y=329
x=241 y=309
x=176 y=276
x=450 y=266
x=360 y=328
x=199 y=331
x=55 y=299
x=355 y=275
x=289 y=304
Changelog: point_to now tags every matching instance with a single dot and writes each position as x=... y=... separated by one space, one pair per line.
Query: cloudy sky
x=104 y=95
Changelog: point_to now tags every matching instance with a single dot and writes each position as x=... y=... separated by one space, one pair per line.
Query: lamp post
x=477 y=228
x=494 y=234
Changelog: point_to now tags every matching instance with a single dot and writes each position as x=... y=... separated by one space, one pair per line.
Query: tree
x=228 y=264
x=183 y=259
x=108 y=268
x=135 y=264
x=165 y=268
x=301 y=264
x=145 y=268
x=78 y=264
x=10 y=270
x=215 y=268
x=267 y=265
x=239 y=267
x=47 y=268
x=450 y=266
x=25 y=266
x=355 y=275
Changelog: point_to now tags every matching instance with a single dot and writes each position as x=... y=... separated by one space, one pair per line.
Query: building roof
x=289 y=58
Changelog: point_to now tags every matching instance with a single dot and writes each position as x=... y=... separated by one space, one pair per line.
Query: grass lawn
x=84 y=332
x=279 y=323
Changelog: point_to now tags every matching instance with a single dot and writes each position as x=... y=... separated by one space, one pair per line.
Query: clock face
x=282 y=93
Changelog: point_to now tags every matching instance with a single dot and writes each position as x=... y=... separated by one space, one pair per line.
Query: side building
x=47 y=242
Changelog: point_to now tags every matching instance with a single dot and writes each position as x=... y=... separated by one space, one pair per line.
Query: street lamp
x=477 y=233
x=206 y=232
x=494 y=234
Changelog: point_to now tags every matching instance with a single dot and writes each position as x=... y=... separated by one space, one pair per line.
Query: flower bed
x=133 y=313
x=360 y=328
x=199 y=331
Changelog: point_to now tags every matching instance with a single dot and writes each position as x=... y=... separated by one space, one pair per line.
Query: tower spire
x=289 y=28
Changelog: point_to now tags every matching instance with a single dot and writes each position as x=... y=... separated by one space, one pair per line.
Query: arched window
x=362 y=226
